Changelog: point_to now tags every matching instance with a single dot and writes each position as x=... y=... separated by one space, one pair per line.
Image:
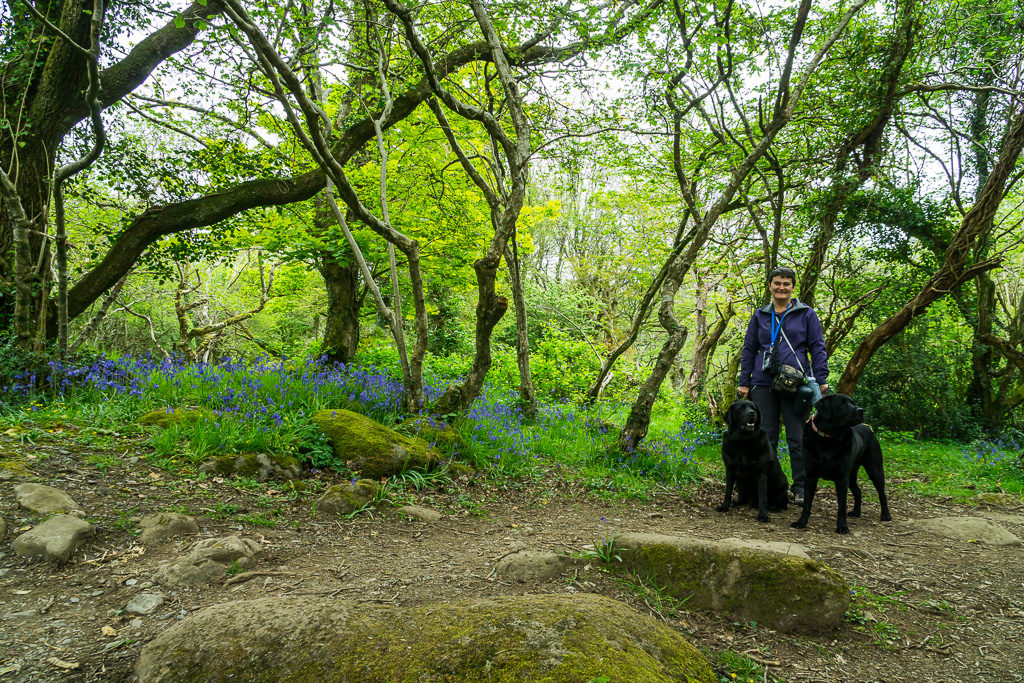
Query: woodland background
x=565 y=199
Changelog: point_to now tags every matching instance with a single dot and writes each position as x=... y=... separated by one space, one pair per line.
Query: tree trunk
x=341 y=329
x=703 y=350
x=955 y=270
x=489 y=310
x=527 y=394
x=639 y=420
x=46 y=90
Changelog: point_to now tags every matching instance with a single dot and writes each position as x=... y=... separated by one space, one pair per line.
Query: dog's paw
x=722 y=508
x=853 y=513
x=798 y=524
x=842 y=529
x=886 y=517
x=761 y=517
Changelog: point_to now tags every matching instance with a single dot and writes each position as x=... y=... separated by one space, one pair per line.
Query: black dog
x=836 y=446
x=750 y=464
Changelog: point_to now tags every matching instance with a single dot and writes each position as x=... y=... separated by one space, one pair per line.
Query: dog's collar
x=818 y=431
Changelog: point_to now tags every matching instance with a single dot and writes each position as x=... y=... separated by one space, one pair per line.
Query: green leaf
x=179 y=22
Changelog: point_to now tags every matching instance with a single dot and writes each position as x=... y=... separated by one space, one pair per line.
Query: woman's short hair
x=783 y=272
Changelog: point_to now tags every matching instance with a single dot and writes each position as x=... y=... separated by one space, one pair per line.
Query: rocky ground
x=927 y=606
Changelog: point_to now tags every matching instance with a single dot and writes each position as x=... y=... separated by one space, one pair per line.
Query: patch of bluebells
x=994 y=451
x=499 y=430
x=278 y=396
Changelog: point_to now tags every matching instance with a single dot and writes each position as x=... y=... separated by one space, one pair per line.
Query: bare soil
x=927 y=608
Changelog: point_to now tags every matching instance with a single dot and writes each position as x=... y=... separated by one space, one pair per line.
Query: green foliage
x=563 y=366
x=917 y=382
x=737 y=667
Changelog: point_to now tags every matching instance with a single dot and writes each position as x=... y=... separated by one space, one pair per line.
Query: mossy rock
x=343 y=499
x=557 y=639
x=783 y=592
x=16 y=467
x=258 y=466
x=165 y=417
x=998 y=500
x=443 y=435
x=372 y=449
x=458 y=469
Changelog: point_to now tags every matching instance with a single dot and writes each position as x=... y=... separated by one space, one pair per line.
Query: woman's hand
x=743 y=392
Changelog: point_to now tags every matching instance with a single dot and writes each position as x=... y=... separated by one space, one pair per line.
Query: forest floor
x=925 y=609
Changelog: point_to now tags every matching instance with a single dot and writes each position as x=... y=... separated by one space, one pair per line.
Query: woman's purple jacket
x=804 y=332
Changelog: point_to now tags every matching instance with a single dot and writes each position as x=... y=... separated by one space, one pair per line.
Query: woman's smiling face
x=782 y=288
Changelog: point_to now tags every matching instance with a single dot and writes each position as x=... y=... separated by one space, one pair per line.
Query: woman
x=789 y=330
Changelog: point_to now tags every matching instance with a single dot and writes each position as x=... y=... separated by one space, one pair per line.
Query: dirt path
x=927 y=608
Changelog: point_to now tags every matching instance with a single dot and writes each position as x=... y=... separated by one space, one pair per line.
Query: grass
x=737 y=667
x=648 y=591
x=268 y=407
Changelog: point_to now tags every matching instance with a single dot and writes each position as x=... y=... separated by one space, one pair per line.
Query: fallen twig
x=762 y=662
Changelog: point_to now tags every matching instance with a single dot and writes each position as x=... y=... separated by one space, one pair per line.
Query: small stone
x=43 y=499
x=421 y=513
x=144 y=603
x=11 y=616
x=163 y=525
x=529 y=565
x=75 y=601
x=95 y=594
x=55 y=540
x=131 y=582
x=208 y=561
x=342 y=499
x=999 y=500
x=970 y=529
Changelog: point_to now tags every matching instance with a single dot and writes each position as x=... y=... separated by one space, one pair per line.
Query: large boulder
x=43 y=500
x=559 y=639
x=258 y=466
x=209 y=560
x=785 y=592
x=55 y=540
x=372 y=449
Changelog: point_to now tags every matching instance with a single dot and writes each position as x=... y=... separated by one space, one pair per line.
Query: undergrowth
x=267 y=407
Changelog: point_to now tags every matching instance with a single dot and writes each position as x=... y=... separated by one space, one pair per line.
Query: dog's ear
x=728 y=415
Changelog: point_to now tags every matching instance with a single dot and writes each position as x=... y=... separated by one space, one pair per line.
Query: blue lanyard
x=775 y=316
